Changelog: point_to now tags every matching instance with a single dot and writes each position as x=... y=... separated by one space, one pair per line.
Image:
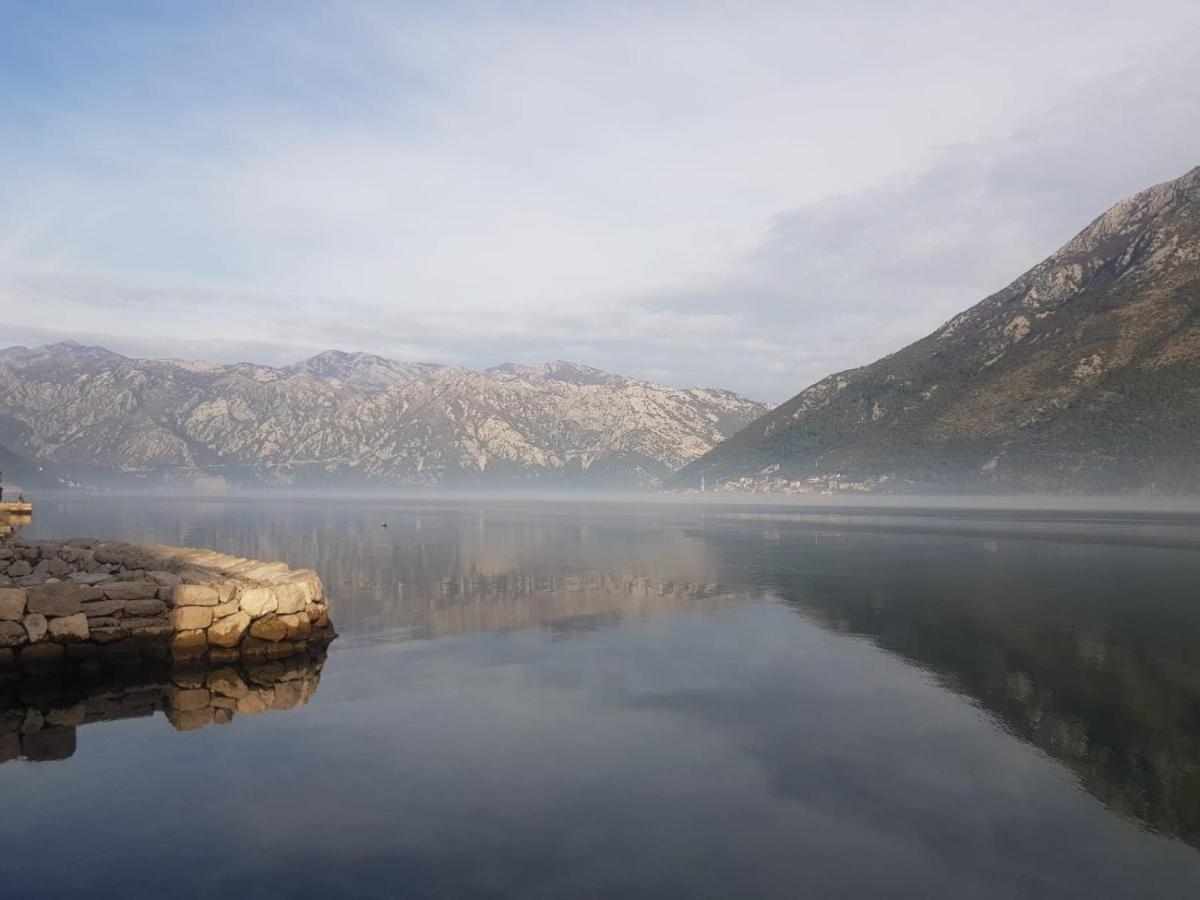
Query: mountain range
x=1081 y=375
x=350 y=418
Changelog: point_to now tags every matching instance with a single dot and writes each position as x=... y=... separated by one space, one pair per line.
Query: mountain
x=1081 y=375
x=351 y=418
x=557 y=370
x=364 y=371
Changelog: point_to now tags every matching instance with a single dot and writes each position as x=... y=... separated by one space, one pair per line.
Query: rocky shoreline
x=85 y=604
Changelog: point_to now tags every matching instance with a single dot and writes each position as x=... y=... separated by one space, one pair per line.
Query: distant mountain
x=361 y=370
x=571 y=373
x=1081 y=375
x=343 y=418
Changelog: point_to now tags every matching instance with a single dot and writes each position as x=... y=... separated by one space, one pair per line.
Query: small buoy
x=383 y=524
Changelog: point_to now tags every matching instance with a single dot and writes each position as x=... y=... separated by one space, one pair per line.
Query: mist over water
x=557 y=697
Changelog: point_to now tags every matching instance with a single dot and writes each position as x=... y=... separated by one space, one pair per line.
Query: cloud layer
x=750 y=195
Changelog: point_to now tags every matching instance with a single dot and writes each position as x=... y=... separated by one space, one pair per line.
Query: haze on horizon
x=744 y=195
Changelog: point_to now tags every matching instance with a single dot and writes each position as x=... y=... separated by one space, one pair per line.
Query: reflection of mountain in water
x=1087 y=653
x=512 y=601
x=39 y=716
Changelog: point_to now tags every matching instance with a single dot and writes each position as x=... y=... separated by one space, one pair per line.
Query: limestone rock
x=12 y=603
x=100 y=608
x=20 y=569
x=269 y=628
x=8 y=659
x=35 y=627
x=165 y=579
x=69 y=629
x=131 y=590
x=228 y=608
x=291 y=598
x=228 y=632
x=187 y=617
x=195 y=595
x=12 y=634
x=60 y=599
x=107 y=634
x=149 y=607
x=258 y=601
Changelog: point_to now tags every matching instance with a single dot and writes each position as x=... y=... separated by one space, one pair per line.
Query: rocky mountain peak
x=365 y=371
x=557 y=370
x=1084 y=373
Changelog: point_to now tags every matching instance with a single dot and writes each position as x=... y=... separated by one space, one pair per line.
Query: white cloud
x=746 y=195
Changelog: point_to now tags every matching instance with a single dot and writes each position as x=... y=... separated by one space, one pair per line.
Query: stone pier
x=85 y=604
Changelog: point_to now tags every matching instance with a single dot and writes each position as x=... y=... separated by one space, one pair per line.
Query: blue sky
x=748 y=195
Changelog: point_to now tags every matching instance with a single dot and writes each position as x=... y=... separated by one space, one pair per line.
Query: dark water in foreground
x=549 y=700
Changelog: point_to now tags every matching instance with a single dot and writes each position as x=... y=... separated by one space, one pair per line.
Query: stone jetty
x=85 y=604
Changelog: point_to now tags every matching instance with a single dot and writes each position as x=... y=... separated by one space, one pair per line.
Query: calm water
x=556 y=700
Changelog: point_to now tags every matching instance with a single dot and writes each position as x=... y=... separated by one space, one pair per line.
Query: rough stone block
x=12 y=634
x=131 y=590
x=12 y=604
x=60 y=599
x=258 y=601
x=69 y=629
x=291 y=598
x=194 y=595
x=188 y=617
x=148 y=607
x=35 y=627
x=100 y=608
x=269 y=628
x=228 y=632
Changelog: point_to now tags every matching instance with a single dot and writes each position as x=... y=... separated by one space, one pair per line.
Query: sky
x=748 y=195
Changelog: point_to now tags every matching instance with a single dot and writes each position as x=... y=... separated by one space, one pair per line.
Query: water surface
x=564 y=699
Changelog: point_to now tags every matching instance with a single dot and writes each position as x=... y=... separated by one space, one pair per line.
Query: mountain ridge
x=340 y=417
x=1082 y=374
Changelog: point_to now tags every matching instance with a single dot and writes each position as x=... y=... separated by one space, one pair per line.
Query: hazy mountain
x=557 y=370
x=361 y=370
x=351 y=417
x=1083 y=374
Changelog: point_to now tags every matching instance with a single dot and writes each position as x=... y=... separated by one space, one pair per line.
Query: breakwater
x=86 y=604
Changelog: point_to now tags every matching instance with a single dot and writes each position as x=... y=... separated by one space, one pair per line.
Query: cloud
x=749 y=197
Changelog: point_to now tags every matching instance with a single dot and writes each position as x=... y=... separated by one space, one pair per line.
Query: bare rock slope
x=1083 y=374
x=352 y=417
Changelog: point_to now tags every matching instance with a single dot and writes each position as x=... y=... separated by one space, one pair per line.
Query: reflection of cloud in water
x=39 y=716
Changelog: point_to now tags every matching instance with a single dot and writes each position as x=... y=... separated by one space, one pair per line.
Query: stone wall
x=84 y=604
x=39 y=716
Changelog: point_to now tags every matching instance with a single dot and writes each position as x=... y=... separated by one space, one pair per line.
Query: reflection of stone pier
x=39 y=716
x=83 y=604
